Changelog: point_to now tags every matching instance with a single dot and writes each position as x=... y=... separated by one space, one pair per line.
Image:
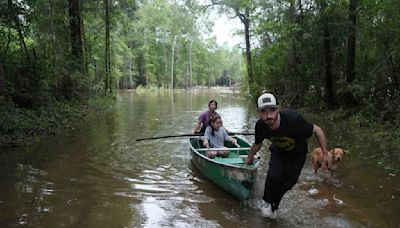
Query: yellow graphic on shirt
x=283 y=143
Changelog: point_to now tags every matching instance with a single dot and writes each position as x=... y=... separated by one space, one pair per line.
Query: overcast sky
x=224 y=30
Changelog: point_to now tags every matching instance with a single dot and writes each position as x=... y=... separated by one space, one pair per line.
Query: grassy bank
x=19 y=126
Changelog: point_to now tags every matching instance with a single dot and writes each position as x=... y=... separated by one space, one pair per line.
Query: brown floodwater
x=95 y=174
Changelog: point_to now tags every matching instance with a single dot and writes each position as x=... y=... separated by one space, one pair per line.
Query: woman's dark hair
x=213 y=118
x=216 y=104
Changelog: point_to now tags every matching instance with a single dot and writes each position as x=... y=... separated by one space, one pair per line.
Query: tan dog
x=334 y=157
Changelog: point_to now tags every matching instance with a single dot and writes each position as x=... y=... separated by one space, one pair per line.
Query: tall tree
x=173 y=61
x=329 y=93
x=241 y=10
x=2 y=79
x=351 y=41
x=75 y=26
x=329 y=96
x=245 y=19
x=190 y=64
x=53 y=41
x=295 y=63
x=14 y=14
x=107 y=56
x=142 y=69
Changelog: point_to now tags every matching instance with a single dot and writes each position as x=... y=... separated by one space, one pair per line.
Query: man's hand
x=249 y=159
x=326 y=160
x=320 y=135
x=252 y=152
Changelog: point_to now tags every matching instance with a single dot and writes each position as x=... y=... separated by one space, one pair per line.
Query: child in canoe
x=215 y=136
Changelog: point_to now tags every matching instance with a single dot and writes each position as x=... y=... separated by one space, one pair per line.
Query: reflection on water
x=96 y=175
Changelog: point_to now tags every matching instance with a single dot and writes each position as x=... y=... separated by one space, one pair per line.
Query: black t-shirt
x=291 y=136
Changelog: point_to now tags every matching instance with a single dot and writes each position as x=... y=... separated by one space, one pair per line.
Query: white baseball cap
x=266 y=100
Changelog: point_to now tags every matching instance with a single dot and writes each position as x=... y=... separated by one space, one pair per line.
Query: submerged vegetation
x=377 y=143
x=21 y=125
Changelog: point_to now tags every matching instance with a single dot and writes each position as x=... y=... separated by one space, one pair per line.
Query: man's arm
x=320 y=135
x=252 y=152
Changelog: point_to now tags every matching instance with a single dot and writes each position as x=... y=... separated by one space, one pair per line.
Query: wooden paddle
x=193 y=134
x=224 y=148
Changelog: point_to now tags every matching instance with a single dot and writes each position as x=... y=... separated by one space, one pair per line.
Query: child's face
x=217 y=124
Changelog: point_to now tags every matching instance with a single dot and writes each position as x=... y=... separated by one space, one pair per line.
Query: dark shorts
x=283 y=173
x=286 y=168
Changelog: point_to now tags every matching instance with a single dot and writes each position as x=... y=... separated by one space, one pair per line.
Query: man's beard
x=267 y=122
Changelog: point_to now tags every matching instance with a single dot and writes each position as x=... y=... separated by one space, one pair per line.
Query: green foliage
x=140 y=88
x=291 y=57
x=149 y=87
x=35 y=49
x=156 y=24
x=154 y=40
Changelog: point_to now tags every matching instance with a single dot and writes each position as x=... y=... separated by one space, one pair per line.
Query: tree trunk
x=198 y=78
x=295 y=57
x=2 y=79
x=246 y=22
x=329 y=96
x=190 y=64
x=7 y=45
x=351 y=42
x=187 y=77
x=75 y=22
x=304 y=84
x=172 y=62
x=107 y=48
x=300 y=10
x=164 y=78
x=85 y=55
x=21 y=37
x=392 y=69
x=130 y=73
x=53 y=42
x=142 y=70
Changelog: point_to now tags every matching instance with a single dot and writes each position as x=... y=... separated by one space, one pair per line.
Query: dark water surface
x=95 y=174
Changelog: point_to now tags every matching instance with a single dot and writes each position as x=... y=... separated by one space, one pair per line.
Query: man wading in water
x=288 y=132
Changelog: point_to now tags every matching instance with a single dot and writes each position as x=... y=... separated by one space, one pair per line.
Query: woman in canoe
x=214 y=137
x=203 y=120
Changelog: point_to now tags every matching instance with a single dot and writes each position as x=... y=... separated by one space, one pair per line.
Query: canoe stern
x=239 y=180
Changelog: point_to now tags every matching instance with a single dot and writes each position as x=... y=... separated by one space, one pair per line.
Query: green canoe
x=229 y=173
